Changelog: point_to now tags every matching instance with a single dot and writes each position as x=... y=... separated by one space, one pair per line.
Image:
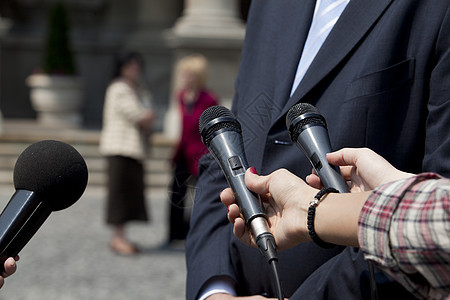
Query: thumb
x=256 y=183
x=343 y=157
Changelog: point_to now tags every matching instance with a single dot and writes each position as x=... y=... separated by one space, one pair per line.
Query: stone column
x=214 y=29
x=210 y=19
x=152 y=19
x=5 y=24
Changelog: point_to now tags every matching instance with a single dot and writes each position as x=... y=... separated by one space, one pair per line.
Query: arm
x=286 y=198
x=403 y=225
x=146 y=121
x=127 y=104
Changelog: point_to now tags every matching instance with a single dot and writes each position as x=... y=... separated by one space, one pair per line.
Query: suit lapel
x=356 y=20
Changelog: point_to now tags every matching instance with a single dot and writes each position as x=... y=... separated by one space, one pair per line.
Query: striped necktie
x=326 y=14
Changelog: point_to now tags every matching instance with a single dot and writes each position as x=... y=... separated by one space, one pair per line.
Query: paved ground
x=68 y=258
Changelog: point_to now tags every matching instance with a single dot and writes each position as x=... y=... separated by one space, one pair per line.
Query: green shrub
x=58 y=57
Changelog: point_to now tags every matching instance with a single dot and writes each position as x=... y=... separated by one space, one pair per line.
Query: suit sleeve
x=210 y=231
x=437 y=145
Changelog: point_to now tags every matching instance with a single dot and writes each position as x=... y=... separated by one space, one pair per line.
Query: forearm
x=337 y=215
x=404 y=228
x=145 y=122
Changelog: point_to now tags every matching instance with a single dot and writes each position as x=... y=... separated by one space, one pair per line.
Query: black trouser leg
x=178 y=225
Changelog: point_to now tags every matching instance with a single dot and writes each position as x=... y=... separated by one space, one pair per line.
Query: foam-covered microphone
x=222 y=135
x=308 y=129
x=48 y=176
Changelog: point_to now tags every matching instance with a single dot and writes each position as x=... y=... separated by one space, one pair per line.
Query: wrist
x=219 y=296
x=302 y=223
x=313 y=204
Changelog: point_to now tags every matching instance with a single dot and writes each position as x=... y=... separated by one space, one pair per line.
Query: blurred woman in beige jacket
x=127 y=123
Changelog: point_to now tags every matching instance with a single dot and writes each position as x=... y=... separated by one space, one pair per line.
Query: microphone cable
x=373 y=282
x=268 y=248
x=276 y=280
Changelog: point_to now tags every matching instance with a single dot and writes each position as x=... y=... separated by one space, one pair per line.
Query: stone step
x=96 y=164
x=162 y=179
x=18 y=135
x=13 y=149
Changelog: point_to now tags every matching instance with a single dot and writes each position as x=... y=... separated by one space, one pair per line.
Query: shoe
x=123 y=247
x=172 y=245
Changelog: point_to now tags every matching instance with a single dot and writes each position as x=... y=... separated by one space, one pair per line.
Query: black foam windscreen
x=55 y=171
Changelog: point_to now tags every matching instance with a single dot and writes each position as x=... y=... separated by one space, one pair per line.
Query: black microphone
x=222 y=135
x=308 y=129
x=48 y=176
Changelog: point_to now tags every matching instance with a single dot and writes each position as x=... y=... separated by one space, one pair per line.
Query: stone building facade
x=163 y=31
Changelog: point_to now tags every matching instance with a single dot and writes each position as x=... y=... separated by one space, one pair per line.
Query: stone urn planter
x=57 y=99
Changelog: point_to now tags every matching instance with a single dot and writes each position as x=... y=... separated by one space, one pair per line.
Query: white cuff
x=216 y=285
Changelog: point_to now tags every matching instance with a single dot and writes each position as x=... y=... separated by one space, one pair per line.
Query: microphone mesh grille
x=298 y=110
x=227 y=121
x=294 y=126
x=212 y=113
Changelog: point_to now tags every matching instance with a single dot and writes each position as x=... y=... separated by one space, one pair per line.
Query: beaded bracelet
x=311 y=214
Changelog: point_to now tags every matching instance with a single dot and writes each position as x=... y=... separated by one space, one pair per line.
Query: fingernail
x=253 y=170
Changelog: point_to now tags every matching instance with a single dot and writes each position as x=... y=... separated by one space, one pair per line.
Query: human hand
x=10 y=267
x=285 y=198
x=364 y=168
x=146 y=122
x=221 y=296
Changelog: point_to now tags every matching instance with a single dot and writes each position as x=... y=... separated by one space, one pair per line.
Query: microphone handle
x=227 y=148
x=315 y=144
x=20 y=220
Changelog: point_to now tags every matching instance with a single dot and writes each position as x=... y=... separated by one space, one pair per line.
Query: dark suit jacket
x=381 y=80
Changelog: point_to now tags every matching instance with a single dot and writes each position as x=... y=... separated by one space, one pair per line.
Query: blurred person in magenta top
x=193 y=98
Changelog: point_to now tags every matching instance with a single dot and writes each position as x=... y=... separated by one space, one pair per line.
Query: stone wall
x=99 y=29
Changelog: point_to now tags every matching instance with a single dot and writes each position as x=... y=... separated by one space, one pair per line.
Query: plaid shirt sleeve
x=404 y=227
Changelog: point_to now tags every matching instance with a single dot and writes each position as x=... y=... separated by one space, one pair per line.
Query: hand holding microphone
x=48 y=176
x=308 y=129
x=362 y=168
x=221 y=133
x=286 y=210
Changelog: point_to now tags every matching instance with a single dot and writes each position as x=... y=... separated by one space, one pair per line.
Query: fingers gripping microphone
x=308 y=129
x=221 y=133
x=48 y=176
